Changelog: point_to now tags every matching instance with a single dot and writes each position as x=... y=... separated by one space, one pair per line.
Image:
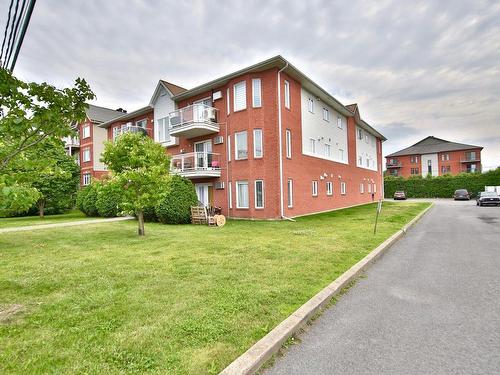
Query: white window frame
x=287 y=94
x=369 y=188
x=340 y=124
x=229 y=148
x=144 y=120
x=310 y=105
x=290 y=193
x=314 y=188
x=86 y=150
x=237 y=145
x=86 y=179
x=236 y=86
x=288 y=143
x=343 y=188
x=341 y=154
x=374 y=188
x=163 y=130
x=360 y=134
x=329 y=188
x=328 y=150
x=255 y=194
x=256 y=93
x=360 y=160
x=258 y=134
x=230 y=194
x=362 y=188
x=228 y=102
x=312 y=145
x=326 y=115
x=238 y=205
x=86 y=131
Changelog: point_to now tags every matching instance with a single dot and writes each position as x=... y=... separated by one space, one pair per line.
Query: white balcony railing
x=71 y=141
x=128 y=129
x=193 y=121
x=196 y=164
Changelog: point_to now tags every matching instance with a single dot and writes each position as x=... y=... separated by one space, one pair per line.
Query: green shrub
x=87 y=198
x=175 y=206
x=150 y=214
x=109 y=199
x=440 y=186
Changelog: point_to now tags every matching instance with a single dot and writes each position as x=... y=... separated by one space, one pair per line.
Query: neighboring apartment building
x=264 y=142
x=436 y=157
x=88 y=145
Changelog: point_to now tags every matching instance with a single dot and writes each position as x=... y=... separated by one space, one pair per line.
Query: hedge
x=440 y=186
x=87 y=198
x=175 y=207
x=109 y=199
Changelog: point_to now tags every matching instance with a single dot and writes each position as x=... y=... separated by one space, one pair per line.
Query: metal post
x=379 y=208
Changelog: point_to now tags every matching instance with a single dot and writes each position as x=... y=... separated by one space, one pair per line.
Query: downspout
x=280 y=143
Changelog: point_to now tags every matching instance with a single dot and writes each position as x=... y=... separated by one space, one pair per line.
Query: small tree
x=140 y=166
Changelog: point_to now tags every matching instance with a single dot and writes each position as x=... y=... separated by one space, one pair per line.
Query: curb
x=250 y=361
x=62 y=225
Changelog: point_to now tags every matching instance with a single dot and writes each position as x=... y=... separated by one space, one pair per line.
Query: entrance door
x=203 y=154
x=199 y=110
x=205 y=194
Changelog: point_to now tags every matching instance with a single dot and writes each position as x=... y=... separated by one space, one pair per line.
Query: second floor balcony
x=129 y=128
x=193 y=121
x=71 y=141
x=196 y=165
x=394 y=164
x=470 y=159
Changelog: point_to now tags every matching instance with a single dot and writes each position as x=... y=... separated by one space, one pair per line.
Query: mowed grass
x=97 y=299
x=73 y=215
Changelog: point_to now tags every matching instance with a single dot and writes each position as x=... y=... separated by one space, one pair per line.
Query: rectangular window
x=445 y=157
x=242 y=194
x=413 y=159
x=240 y=145
x=315 y=188
x=228 y=148
x=339 y=123
x=312 y=144
x=445 y=169
x=230 y=194
x=259 y=194
x=228 y=102
x=290 y=193
x=142 y=123
x=343 y=188
x=116 y=132
x=366 y=138
x=341 y=154
x=360 y=134
x=257 y=143
x=163 y=130
x=287 y=94
x=329 y=188
x=86 y=131
x=368 y=163
x=288 y=143
x=256 y=93
x=86 y=154
x=414 y=171
x=326 y=114
x=369 y=188
x=86 y=179
x=328 y=150
x=361 y=188
x=360 y=161
x=310 y=105
x=240 y=96
x=374 y=188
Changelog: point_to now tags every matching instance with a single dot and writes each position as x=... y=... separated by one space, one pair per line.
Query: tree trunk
x=140 y=219
x=41 y=208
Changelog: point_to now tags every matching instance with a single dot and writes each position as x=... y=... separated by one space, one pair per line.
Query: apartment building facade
x=264 y=142
x=436 y=157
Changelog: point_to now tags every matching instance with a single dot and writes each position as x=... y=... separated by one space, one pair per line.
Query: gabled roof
x=174 y=89
x=171 y=89
x=127 y=116
x=431 y=145
x=280 y=63
x=101 y=114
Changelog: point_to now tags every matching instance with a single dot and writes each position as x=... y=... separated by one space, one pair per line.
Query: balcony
x=469 y=159
x=196 y=165
x=193 y=121
x=71 y=141
x=394 y=164
x=128 y=129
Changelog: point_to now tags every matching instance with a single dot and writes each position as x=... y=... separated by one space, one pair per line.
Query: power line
x=16 y=31
x=5 y=32
x=26 y=20
x=9 y=42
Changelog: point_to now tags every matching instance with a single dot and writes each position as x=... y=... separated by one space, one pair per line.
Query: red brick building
x=436 y=157
x=263 y=142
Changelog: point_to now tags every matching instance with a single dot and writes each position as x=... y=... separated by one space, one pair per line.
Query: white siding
x=162 y=108
x=323 y=132
x=100 y=135
x=434 y=164
x=366 y=150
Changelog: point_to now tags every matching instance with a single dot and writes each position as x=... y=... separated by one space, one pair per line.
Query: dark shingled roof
x=431 y=145
x=174 y=89
x=101 y=114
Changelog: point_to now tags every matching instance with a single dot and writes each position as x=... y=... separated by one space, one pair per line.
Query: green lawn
x=183 y=300
x=35 y=220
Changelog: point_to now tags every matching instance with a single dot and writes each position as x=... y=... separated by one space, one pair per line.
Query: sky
x=415 y=68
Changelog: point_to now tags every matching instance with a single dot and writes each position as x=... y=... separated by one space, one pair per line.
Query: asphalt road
x=431 y=305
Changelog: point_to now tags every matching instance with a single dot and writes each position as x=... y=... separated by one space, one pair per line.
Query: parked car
x=486 y=198
x=461 y=195
x=399 y=195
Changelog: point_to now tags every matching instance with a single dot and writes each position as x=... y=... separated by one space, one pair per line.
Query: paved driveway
x=431 y=305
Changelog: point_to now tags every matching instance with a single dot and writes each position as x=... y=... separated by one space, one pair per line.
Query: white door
x=203 y=154
x=204 y=191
